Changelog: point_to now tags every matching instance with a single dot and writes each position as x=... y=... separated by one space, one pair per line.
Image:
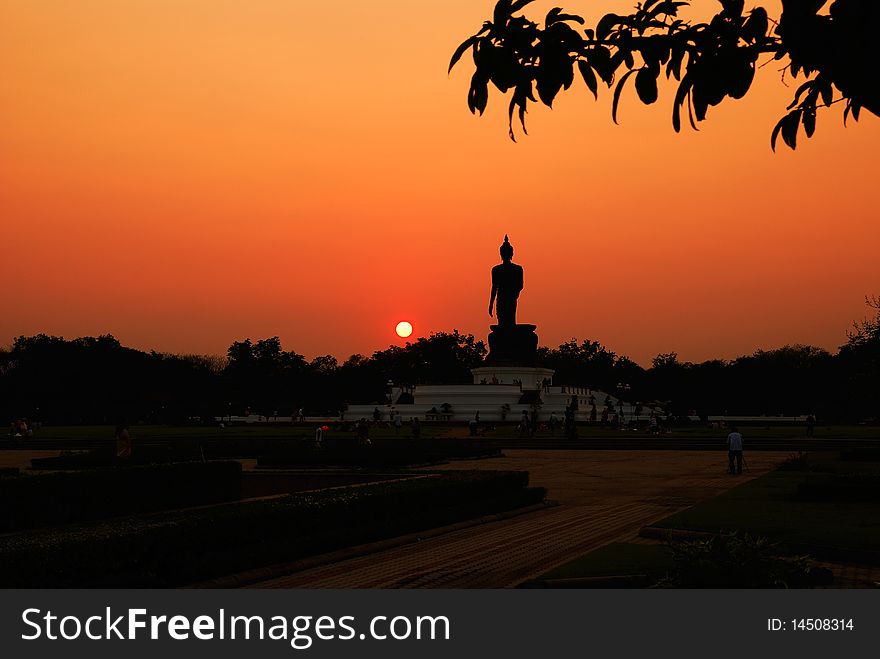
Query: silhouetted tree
x=264 y=378
x=860 y=363
x=589 y=363
x=442 y=357
x=835 y=52
x=97 y=380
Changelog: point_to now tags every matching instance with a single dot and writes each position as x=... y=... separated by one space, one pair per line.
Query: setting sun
x=404 y=329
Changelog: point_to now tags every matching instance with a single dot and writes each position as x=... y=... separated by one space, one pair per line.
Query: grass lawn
x=432 y=431
x=771 y=506
x=616 y=559
x=699 y=431
x=231 y=432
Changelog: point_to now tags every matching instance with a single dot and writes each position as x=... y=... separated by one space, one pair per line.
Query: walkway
x=604 y=496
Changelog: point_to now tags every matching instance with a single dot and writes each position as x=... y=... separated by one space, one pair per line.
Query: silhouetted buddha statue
x=507 y=282
x=510 y=343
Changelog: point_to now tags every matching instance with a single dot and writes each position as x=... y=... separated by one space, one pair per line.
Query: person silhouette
x=507 y=282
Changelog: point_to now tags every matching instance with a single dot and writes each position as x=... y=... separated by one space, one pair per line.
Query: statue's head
x=506 y=249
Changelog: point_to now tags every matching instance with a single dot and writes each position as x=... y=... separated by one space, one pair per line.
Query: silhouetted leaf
x=741 y=77
x=681 y=95
x=617 y=91
x=674 y=66
x=756 y=25
x=810 y=122
x=478 y=95
x=733 y=8
x=775 y=134
x=827 y=93
x=646 y=86
x=700 y=99
x=600 y=60
x=668 y=8
x=503 y=10
x=589 y=77
x=519 y=4
x=791 y=123
x=798 y=93
x=605 y=25
x=549 y=82
x=574 y=18
x=467 y=43
x=510 y=110
x=691 y=110
x=566 y=37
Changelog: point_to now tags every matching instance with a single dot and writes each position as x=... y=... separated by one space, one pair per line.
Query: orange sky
x=185 y=173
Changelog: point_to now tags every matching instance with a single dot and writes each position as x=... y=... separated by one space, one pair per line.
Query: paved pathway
x=604 y=495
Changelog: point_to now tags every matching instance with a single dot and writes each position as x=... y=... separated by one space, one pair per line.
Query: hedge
x=383 y=453
x=32 y=501
x=278 y=452
x=183 y=547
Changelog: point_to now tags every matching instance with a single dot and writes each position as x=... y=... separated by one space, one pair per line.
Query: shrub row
x=182 y=547
x=106 y=457
x=32 y=501
x=732 y=560
x=380 y=453
x=275 y=452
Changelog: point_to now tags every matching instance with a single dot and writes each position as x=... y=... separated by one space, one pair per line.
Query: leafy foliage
x=709 y=61
x=734 y=560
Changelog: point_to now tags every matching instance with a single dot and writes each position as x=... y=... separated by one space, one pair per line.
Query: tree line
x=98 y=380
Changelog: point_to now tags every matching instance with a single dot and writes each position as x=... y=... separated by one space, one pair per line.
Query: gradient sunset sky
x=186 y=173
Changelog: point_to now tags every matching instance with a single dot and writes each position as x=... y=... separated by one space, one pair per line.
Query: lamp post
x=390 y=385
x=622 y=390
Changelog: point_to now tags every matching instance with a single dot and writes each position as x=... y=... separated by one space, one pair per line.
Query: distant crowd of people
x=21 y=429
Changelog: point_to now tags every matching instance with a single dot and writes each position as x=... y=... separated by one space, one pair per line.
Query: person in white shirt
x=734 y=451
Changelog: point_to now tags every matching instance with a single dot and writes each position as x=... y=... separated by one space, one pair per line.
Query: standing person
x=416 y=427
x=123 y=442
x=734 y=451
x=570 y=424
x=300 y=416
x=364 y=432
x=811 y=422
x=377 y=415
x=553 y=422
x=398 y=423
